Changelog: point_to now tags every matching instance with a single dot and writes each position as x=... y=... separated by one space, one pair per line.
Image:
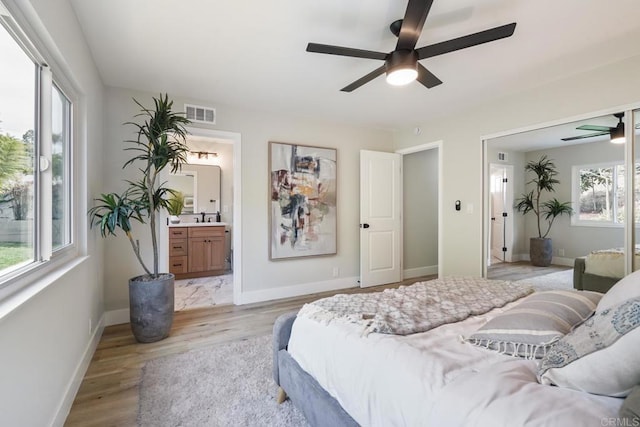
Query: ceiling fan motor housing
x=399 y=62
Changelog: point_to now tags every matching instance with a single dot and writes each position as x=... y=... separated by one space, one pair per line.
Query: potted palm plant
x=540 y=248
x=160 y=143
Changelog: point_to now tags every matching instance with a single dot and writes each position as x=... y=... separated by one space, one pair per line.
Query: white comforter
x=434 y=379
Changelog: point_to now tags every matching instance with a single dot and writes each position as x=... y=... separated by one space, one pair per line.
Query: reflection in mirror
x=201 y=186
x=590 y=175
x=636 y=193
x=186 y=183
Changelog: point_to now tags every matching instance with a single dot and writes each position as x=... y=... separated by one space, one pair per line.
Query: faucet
x=203 y=214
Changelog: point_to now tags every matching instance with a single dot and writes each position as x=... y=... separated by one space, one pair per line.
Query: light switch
x=469 y=208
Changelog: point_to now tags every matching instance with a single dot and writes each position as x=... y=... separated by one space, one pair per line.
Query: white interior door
x=497 y=208
x=380 y=218
x=501 y=213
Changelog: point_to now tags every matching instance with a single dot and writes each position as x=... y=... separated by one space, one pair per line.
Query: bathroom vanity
x=196 y=249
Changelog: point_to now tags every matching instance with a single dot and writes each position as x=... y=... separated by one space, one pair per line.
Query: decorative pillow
x=630 y=409
x=600 y=356
x=533 y=326
x=625 y=288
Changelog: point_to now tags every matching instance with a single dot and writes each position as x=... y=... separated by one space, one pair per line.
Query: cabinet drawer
x=212 y=231
x=177 y=247
x=178 y=264
x=178 y=232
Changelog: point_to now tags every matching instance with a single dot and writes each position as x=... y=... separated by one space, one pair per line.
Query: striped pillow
x=533 y=326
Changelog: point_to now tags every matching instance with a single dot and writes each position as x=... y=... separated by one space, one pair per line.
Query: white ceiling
x=551 y=137
x=251 y=54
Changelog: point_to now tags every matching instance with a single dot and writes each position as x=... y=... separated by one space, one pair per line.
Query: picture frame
x=302 y=201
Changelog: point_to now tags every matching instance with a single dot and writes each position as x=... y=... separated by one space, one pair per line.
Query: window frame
x=39 y=50
x=575 y=195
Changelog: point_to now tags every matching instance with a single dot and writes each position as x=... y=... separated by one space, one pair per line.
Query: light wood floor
x=108 y=395
x=520 y=270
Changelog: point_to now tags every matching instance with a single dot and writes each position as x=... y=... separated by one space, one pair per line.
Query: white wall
x=602 y=88
x=261 y=278
x=420 y=213
x=45 y=341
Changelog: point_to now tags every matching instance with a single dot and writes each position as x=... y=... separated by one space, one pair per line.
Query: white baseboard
x=298 y=290
x=410 y=273
x=520 y=257
x=78 y=375
x=116 y=317
x=555 y=260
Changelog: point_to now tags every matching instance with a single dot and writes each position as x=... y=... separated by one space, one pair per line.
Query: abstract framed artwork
x=302 y=199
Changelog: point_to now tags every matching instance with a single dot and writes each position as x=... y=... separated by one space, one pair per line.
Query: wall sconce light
x=203 y=154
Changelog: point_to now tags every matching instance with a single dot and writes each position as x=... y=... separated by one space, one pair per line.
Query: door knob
x=365 y=225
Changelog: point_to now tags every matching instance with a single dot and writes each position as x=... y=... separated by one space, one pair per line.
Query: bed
x=339 y=375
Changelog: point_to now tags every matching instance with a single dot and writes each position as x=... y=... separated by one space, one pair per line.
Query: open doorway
x=422 y=210
x=202 y=242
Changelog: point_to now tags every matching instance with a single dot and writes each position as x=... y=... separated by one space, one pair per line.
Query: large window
x=35 y=157
x=599 y=194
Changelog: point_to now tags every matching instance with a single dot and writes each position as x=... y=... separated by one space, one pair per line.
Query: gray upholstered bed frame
x=318 y=407
x=590 y=282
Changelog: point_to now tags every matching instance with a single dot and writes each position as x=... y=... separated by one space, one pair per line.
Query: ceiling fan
x=401 y=65
x=616 y=132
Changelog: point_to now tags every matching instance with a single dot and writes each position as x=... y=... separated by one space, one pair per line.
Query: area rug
x=222 y=385
x=547 y=282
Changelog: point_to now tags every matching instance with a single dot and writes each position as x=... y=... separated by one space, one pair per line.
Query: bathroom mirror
x=201 y=186
x=186 y=183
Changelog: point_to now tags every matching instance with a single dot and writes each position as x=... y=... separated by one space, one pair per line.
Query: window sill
x=13 y=296
x=596 y=224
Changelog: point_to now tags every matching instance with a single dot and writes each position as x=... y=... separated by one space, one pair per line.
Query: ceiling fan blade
x=590 y=135
x=427 y=78
x=412 y=23
x=366 y=79
x=463 y=42
x=345 y=51
x=595 y=128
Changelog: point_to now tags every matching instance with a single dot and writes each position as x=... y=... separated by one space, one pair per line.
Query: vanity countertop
x=199 y=224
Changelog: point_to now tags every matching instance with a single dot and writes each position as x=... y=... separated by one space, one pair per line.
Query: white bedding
x=607 y=262
x=433 y=378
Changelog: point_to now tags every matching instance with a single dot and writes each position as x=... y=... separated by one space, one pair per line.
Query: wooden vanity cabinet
x=196 y=251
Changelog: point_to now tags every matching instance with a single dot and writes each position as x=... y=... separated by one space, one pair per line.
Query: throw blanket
x=416 y=308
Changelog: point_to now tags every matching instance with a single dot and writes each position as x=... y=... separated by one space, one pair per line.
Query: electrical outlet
x=336 y=271
x=560 y=252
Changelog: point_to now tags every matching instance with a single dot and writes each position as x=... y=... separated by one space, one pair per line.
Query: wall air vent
x=502 y=157
x=196 y=113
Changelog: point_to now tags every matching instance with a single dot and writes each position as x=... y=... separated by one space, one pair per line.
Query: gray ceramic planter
x=540 y=251
x=151 y=307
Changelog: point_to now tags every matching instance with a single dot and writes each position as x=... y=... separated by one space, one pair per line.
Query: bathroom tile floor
x=203 y=292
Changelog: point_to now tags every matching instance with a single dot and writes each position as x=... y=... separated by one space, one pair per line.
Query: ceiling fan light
x=402 y=76
x=617 y=134
x=402 y=67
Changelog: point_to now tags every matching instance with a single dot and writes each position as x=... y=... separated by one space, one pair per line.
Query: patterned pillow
x=600 y=356
x=533 y=326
